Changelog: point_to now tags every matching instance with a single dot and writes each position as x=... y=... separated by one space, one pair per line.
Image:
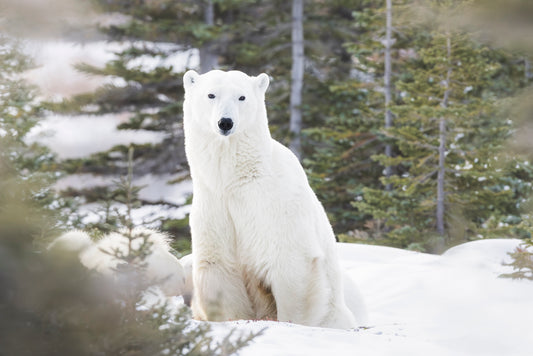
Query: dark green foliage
x=32 y=163
x=522 y=262
x=476 y=185
x=340 y=165
x=482 y=184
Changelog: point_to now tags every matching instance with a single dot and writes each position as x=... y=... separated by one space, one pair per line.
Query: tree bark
x=440 y=177
x=388 y=89
x=442 y=144
x=297 y=76
x=527 y=69
x=208 y=57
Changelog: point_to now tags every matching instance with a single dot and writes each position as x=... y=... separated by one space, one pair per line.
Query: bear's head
x=224 y=103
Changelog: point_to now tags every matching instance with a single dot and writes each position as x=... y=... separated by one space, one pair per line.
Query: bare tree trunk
x=527 y=69
x=388 y=89
x=442 y=143
x=297 y=77
x=208 y=58
x=440 y=177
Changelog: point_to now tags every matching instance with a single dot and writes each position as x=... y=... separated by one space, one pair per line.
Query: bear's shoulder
x=284 y=161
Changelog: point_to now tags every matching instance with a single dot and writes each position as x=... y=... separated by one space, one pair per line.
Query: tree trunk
x=208 y=57
x=440 y=177
x=527 y=69
x=442 y=143
x=388 y=89
x=297 y=76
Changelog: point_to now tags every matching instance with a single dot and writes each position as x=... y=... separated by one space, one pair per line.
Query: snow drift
x=419 y=304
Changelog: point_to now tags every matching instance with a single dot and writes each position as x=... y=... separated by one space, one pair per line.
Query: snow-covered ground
x=418 y=304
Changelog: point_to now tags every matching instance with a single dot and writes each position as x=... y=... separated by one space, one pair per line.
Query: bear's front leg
x=219 y=293
x=219 y=290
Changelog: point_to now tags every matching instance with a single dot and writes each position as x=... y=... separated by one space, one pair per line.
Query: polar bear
x=160 y=265
x=263 y=247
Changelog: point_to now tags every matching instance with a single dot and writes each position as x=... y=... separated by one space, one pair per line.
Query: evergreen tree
x=522 y=262
x=340 y=164
x=22 y=162
x=436 y=128
x=449 y=135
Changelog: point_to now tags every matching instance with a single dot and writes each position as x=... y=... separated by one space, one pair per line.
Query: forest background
x=411 y=118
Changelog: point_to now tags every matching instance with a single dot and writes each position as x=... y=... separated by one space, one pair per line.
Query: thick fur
x=262 y=244
x=354 y=300
x=161 y=265
x=186 y=263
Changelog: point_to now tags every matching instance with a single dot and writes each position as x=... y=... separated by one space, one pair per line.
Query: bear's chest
x=227 y=164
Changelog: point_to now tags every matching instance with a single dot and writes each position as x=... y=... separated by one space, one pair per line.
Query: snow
x=55 y=75
x=418 y=304
x=155 y=188
x=57 y=78
x=179 y=60
x=81 y=136
x=166 y=201
x=150 y=216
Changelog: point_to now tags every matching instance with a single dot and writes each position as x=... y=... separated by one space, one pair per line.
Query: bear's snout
x=225 y=125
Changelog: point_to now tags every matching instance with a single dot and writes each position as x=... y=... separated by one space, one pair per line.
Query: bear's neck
x=226 y=163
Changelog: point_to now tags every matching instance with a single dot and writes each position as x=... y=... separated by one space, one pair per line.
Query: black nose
x=225 y=124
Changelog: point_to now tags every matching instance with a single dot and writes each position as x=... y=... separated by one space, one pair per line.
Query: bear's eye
x=211 y=96
x=242 y=98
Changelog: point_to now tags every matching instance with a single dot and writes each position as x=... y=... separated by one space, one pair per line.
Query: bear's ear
x=262 y=81
x=189 y=79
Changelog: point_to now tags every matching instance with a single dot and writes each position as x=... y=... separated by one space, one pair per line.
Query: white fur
x=161 y=265
x=75 y=241
x=186 y=263
x=352 y=295
x=262 y=244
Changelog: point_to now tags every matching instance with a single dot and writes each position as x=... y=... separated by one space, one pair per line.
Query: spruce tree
x=340 y=164
x=449 y=134
x=23 y=164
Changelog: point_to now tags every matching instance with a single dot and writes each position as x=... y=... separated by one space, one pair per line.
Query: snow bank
x=81 y=136
x=419 y=304
x=55 y=75
x=167 y=201
x=155 y=188
x=57 y=78
x=149 y=216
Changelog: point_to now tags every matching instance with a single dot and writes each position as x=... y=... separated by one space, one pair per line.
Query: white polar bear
x=263 y=247
x=161 y=266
